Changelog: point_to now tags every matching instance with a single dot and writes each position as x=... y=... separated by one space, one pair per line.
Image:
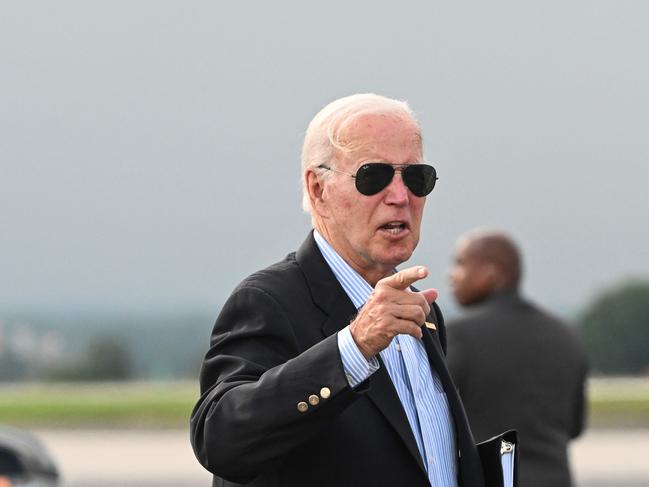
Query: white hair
x=325 y=133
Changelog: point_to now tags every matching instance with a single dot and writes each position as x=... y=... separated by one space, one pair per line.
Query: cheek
x=417 y=212
x=339 y=202
x=483 y=286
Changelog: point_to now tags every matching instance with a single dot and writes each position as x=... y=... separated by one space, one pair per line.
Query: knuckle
x=424 y=304
x=421 y=316
x=379 y=294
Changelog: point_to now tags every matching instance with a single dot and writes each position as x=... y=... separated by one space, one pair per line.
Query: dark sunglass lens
x=372 y=178
x=420 y=178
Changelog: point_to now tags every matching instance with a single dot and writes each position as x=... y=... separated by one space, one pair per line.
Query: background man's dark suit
x=274 y=345
x=517 y=367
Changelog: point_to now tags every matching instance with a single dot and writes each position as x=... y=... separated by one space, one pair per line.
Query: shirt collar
x=357 y=288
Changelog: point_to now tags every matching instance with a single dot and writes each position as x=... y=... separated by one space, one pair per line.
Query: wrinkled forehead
x=380 y=133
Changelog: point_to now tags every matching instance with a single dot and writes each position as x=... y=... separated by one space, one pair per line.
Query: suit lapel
x=330 y=297
x=326 y=291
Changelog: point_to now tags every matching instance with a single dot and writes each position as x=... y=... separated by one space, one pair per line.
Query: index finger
x=403 y=279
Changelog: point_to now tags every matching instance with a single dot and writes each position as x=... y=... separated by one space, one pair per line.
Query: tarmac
x=163 y=458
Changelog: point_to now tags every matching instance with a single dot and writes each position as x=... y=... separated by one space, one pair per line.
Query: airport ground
x=163 y=458
x=135 y=434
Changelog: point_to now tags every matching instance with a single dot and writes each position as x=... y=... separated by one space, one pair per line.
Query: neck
x=503 y=293
x=371 y=276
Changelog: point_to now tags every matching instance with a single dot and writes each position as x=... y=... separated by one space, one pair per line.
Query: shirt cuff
x=357 y=367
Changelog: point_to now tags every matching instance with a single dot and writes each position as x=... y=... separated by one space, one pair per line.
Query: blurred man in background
x=516 y=367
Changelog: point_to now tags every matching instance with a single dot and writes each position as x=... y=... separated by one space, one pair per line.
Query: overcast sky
x=149 y=150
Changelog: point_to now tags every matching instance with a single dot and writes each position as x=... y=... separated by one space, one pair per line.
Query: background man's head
x=486 y=261
x=374 y=232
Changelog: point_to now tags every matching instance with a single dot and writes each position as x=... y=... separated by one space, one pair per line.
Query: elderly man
x=327 y=369
x=515 y=365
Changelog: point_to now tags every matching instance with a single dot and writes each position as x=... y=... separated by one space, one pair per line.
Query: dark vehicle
x=24 y=461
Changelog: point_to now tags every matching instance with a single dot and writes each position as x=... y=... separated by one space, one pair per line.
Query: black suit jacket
x=517 y=367
x=274 y=344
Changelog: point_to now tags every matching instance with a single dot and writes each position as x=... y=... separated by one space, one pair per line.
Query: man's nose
x=452 y=275
x=397 y=192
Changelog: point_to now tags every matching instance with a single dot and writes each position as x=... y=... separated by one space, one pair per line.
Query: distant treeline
x=615 y=328
x=103 y=346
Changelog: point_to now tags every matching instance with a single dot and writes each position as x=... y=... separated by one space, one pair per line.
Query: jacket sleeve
x=253 y=377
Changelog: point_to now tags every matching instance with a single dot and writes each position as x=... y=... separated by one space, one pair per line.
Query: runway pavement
x=147 y=458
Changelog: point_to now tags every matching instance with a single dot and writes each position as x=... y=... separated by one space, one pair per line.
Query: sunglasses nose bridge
x=397 y=190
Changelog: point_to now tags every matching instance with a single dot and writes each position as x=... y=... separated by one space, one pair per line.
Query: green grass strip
x=612 y=403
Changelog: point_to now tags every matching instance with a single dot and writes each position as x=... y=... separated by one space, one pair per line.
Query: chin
x=396 y=257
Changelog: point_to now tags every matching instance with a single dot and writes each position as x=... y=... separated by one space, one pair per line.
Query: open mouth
x=394 y=228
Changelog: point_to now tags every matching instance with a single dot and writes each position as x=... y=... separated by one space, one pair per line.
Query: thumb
x=429 y=294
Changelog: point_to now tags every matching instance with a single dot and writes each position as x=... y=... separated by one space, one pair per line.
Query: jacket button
x=302 y=406
x=314 y=400
x=325 y=392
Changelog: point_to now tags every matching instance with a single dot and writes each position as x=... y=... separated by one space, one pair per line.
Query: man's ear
x=496 y=277
x=316 y=189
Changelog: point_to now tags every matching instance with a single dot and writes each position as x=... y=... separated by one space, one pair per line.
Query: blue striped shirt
x=418 y=386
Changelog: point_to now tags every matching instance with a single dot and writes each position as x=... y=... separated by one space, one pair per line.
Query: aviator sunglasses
x=373 y=177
